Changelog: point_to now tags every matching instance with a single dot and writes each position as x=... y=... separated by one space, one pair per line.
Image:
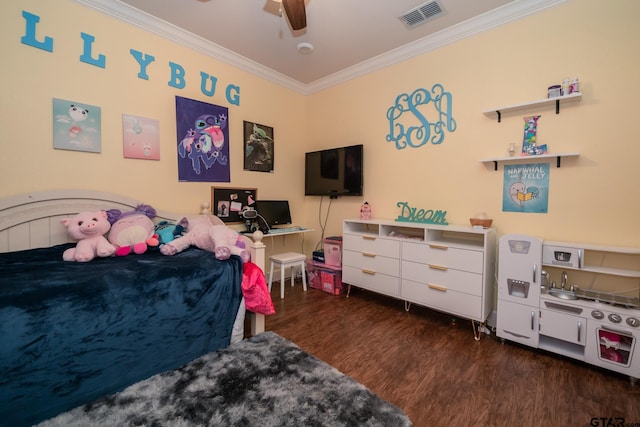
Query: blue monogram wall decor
x=422 y=216
x=407 y=133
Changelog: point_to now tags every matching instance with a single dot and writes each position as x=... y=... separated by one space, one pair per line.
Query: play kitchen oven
x=603 y=327
x=615 y=327
x=588 y=304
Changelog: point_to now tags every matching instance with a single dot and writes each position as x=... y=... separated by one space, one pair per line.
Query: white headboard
x=33 y=220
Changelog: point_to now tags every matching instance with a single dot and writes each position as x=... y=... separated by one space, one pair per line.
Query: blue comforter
x=72 y=332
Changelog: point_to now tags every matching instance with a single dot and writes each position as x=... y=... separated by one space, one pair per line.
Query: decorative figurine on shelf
x=365 y=211
x=529 y=145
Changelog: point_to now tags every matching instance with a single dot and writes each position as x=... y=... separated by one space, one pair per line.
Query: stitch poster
x=526 y=188
x=202 y=141
x=76 y=126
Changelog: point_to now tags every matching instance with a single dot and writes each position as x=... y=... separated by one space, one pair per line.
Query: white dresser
x=447 y=268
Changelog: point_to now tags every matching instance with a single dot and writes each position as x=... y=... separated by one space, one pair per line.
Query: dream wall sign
x=178 y=74
x=420 y=216
x=411 y=126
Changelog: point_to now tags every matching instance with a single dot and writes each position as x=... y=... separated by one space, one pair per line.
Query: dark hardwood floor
x=429 y=364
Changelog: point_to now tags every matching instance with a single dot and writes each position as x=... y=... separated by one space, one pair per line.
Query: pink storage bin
x=332 y=252
x=324 y=277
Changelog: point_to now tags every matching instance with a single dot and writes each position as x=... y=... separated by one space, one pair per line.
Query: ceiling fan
x=296 y=13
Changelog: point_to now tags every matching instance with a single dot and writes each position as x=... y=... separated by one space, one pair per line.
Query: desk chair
x=283 y=261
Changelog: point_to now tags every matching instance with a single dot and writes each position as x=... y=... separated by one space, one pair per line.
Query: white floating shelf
x=529 y=105
x=523 y=159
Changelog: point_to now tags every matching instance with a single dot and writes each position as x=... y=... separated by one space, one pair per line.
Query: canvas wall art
x=258 y=147
x=202 y=141
x=526 y=188
x=76 y=126
x=140 y=137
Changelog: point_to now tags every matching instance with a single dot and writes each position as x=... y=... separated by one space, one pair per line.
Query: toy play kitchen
x=581 y=301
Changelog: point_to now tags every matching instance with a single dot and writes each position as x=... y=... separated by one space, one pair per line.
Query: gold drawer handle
x=435 y=246
x=369 y=237
x=438 y=267
x=437 y=288
x=368 y=254
x=371 y=272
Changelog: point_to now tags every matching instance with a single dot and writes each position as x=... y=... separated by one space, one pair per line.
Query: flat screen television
x=334 y=172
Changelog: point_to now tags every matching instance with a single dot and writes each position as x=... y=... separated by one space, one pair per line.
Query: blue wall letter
x=177 y=76
x=86 y=54
x=29 y=37
x=143 y=60
x=203 y=83
x=233 y=94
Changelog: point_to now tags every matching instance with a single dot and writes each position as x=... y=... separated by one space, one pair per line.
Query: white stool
x=284 y=260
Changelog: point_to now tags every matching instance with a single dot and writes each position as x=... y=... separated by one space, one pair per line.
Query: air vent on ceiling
x=421 y=14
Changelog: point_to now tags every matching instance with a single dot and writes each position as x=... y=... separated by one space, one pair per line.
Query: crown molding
x=145 y=21
x=510 y=12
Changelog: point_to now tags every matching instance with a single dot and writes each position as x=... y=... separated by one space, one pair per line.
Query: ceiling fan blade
x=296 y=13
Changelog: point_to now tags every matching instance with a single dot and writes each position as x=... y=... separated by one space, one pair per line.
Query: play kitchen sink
x=559 y=293
x=562 y=292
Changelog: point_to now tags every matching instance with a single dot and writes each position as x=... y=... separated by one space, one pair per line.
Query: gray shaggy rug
x=263 y=381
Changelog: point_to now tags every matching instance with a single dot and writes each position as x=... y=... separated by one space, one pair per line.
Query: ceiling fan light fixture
x=305 y=48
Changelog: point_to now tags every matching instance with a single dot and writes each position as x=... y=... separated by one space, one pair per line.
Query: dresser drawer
x=457 y=280
x=450 y=301
x=372 y=245
x=445 y=256
x=368 y=261
x=378 y=282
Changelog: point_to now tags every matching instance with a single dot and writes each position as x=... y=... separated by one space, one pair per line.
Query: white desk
x=281 y=233
x=285 y=233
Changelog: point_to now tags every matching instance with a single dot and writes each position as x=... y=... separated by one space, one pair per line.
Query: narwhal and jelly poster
x=526 y=188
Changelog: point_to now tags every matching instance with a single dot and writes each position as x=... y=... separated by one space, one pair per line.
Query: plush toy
x=88 y=228
x=168 y=231
x=133 y=231
x=204 y=233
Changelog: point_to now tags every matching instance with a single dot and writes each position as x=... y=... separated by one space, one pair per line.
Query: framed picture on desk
x=228 y=203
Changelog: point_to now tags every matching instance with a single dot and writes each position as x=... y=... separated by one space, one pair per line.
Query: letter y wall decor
x=414 y=123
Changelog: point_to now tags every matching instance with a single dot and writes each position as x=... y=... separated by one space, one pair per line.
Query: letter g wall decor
x=414 y=128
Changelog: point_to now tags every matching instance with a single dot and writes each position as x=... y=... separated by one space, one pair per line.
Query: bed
x=73 y=332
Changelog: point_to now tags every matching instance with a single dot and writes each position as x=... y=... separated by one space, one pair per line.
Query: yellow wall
x=593 y=198
x=32 y=77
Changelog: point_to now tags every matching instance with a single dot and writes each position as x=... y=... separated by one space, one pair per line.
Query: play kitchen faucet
x=563 y=292
x=564 y=278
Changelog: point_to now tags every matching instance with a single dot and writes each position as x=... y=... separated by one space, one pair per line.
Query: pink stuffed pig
x=88 y=228
x=204 y=233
